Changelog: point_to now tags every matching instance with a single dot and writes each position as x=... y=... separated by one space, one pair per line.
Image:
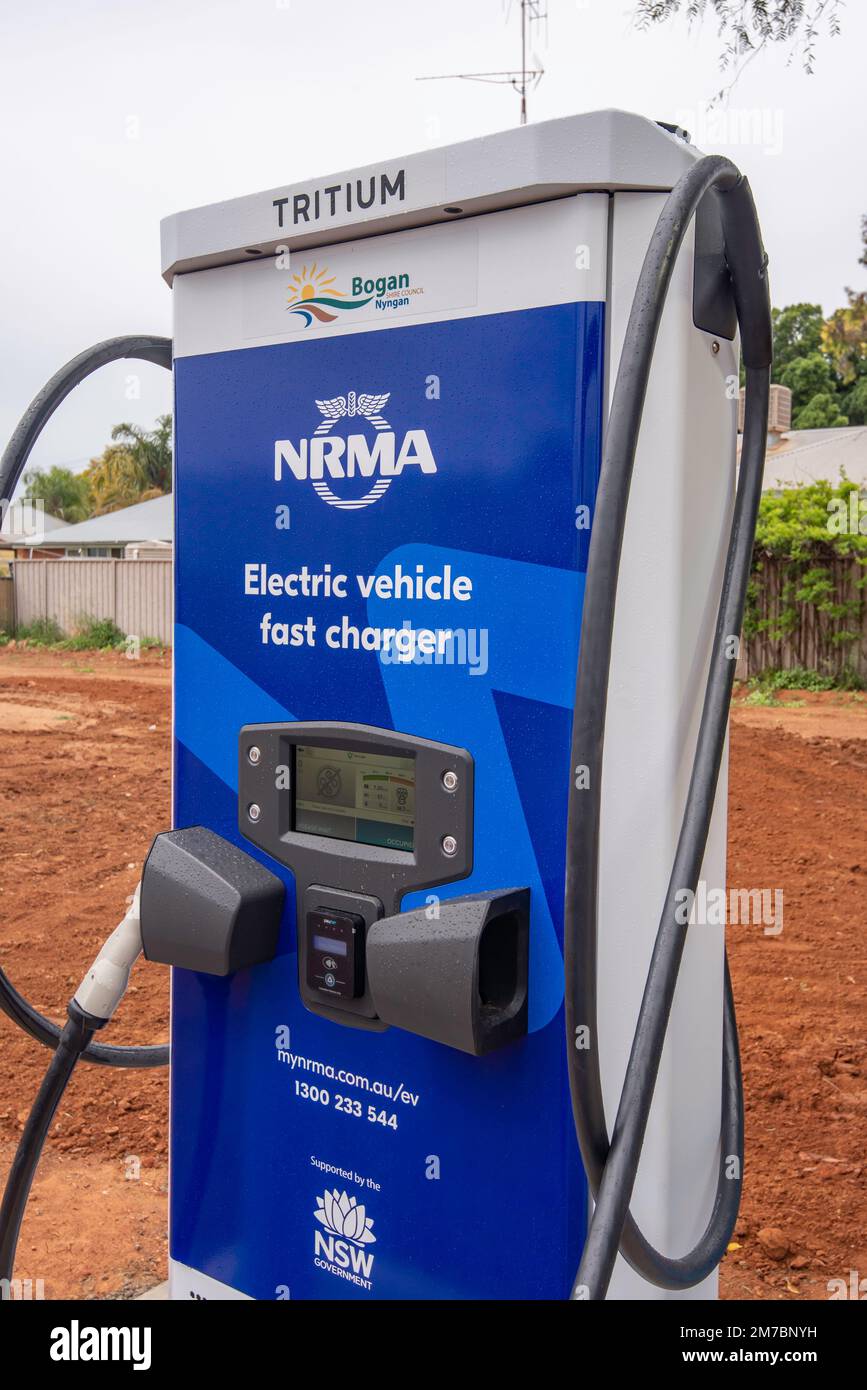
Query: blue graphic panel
x=284 y=1124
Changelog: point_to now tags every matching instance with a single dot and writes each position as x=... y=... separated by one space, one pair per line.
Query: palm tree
x=151 y=451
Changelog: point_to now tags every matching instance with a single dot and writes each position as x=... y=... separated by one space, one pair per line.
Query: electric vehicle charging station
x=485 y=337
x=392 y=387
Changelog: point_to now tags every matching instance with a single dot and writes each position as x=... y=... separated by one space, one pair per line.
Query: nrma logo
x=340 y=1251
x=328 y=457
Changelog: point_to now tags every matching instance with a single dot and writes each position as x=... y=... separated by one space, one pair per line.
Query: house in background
x=23 y=532
x=796 y=457
x=144 y=531
x=104 y=568
x=807 y=456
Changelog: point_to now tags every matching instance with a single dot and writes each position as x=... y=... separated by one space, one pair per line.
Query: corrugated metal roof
x=145 y=521
x=806 y=456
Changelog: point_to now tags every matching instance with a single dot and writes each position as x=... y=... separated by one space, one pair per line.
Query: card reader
x=335 y=953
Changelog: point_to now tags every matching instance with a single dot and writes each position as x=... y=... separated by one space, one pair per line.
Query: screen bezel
x=384 y=874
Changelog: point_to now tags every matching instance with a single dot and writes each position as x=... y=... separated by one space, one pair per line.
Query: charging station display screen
x=366 y=797
x=330 y=945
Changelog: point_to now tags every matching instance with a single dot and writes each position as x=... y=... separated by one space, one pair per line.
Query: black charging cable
x=73 y=1040
x=92 y=1006
x=611 y=1165
x=146 y=348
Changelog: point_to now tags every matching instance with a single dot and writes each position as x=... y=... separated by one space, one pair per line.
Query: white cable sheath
x=105 y=983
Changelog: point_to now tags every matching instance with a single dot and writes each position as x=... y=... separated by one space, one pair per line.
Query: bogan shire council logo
x=313 y=295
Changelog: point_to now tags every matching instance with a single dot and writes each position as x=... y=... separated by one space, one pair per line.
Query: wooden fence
x=135 y=594
x=808 y=644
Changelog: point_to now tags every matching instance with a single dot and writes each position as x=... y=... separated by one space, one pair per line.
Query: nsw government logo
x=330 y=456
x=340 y=1248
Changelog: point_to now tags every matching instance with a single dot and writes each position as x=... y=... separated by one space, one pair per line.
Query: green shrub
x=803 y=678
x=100 y=633
x=797 y=678
x=761 y=697
x=44 y=632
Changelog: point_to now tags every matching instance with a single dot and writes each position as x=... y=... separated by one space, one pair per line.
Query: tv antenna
x=524 y=79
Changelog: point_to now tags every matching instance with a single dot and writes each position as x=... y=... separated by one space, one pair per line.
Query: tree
x=806 y=377
x=844 y=335
x=821 y=413
x=844 y=343
x=748 y=26
x=136 y=467
x=797 y=333
x=152 y=452
x=64 y=494
x=824 y=361
x=854 y=402
x=114 y=480
x=844 y=339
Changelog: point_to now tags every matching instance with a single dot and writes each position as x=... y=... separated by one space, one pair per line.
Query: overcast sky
x=117 y=112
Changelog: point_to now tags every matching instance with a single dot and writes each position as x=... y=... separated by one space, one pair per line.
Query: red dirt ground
x=84 y=741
